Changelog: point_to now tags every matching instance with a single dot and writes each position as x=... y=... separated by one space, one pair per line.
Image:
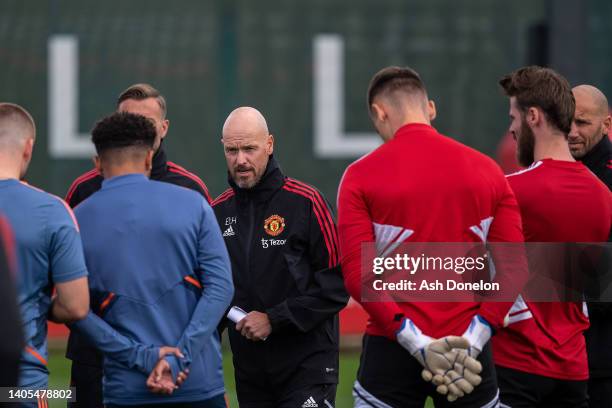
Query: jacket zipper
x=249 y=243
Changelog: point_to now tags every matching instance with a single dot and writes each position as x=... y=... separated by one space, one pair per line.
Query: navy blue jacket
x=159 y=275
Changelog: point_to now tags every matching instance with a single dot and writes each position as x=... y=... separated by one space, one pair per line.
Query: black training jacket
x=282 y=241
x=79 y=349
x=599 y=335
x=163 y=170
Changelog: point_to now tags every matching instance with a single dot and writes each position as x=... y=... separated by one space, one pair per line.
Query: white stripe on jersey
x=532 y=167
x=518 y=312
x=389 y=237
x=483 y=230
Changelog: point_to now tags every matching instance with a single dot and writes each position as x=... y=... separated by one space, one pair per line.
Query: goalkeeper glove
x=464 y=376
x=437 y=356
x=462 y=379
x=477 y=334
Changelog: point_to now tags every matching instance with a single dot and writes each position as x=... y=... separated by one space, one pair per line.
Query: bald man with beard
x=588 y=139
x=589 y=143
x=281 y=237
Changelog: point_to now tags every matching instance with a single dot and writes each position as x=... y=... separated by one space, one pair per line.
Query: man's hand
x=440 y=357
x=461 y=380
x=437 y=356
x=446 y=361
x=255 y=326
x=160 y=380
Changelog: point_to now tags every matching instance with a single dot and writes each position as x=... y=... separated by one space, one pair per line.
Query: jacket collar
x=130 y=178
x=160 y=163
x=600 y=153
x=272 y=179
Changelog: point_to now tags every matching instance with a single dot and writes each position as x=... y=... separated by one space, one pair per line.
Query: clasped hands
x=449 y=362
x=160 y=379
x=254 y=326
x=449 y=367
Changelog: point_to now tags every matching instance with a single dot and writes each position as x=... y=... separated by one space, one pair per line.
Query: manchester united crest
x=274 y=225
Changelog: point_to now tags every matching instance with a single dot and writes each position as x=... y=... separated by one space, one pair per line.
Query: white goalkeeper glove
x=461 y=380
x=464 y=376
x=438 y=357
x=478 y=334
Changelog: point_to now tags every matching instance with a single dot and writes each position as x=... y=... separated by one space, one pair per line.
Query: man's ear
x=378 y=112
x=165 y=127
x=431 y=110
x=97 y=164
x=606 y=124
x=270 y=145
x=29 y=150
x=533 y=117
x=149 y=160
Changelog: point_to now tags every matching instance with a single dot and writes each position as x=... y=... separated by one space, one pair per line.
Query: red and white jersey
x=422 y=186
x=560 y=201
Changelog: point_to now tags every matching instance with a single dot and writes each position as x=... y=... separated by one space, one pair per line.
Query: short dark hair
x=123 y=130
x=535 y=86
x=141 y=92
x=393 y=78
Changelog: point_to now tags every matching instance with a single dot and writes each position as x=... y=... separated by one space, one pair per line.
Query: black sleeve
x=326 y=294
x=79 y=191
x=11 y=341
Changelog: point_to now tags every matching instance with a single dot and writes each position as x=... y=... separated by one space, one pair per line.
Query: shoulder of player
x=83 y=186
x=179 y=191
x=90 y=177
x=186 y=177
x=532 y=171
x=223 y=199
x=56 y=207
x=303 y=192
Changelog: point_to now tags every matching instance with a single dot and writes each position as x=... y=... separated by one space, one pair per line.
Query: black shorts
x=88 y=382
x=253 y=394
x=600 y=392
x=214 y=402
x=390 y=377
x=519 y=389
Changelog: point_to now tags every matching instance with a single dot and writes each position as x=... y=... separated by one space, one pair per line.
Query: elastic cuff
x=478 y=332
x=175 y=366
x=151 y=358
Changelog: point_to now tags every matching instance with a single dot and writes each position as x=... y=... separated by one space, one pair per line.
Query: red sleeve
x=510 y=260
x=354 y=228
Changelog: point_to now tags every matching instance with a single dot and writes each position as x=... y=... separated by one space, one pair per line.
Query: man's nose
x=573 y=131
x=241 y=157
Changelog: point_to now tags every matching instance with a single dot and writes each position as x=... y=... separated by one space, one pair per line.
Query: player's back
x=140 y=239
x=560 y=201
x=41 y=223
x=431 y=184
x=422 y=186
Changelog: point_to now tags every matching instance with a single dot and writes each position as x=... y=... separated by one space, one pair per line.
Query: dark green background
x=208 y=57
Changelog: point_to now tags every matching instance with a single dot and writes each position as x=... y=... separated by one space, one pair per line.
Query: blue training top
x=159 y=275
x=49 y=251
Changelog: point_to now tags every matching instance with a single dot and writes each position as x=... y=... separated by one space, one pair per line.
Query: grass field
x=349 y=362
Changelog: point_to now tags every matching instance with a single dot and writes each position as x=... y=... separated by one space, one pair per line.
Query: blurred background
x=304 y=64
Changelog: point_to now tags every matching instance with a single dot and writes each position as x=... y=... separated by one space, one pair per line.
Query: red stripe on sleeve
x=227 y=194
x=327 y=236
x=175 y=168
x=325 y=211
x=80 y=180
